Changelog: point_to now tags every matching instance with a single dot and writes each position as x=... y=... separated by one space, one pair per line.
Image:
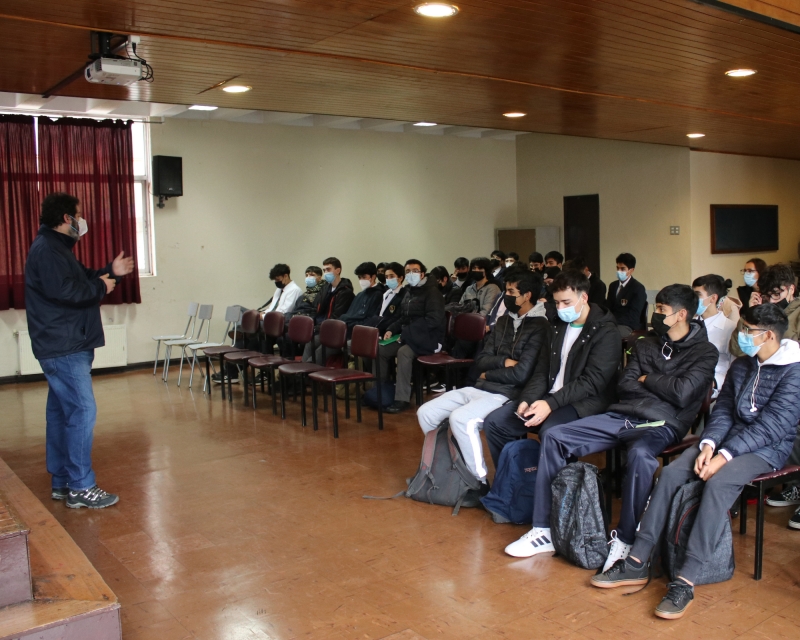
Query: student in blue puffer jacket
x=751 y=432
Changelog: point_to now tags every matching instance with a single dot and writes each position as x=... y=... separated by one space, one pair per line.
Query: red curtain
x=19 y=205
x=93 y=160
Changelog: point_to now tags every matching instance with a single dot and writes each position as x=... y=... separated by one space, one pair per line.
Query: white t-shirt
x=719 y=329
x=285 y=299
x=569 y=339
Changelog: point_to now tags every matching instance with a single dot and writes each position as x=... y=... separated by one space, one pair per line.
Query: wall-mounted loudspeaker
x=167 y=178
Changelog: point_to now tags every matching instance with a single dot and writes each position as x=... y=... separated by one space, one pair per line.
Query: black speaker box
x=167 y=176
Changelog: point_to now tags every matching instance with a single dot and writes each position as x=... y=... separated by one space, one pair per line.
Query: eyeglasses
x=755 y=332
x=747 y=271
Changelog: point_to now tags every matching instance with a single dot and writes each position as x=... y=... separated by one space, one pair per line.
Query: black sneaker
x=676 y=602
x=94 y=498
x=59 y=493
x=794 y=521
x=438 y=388
x=218 y=378
x=786 y=498
x=622 y=574
x=397 y=406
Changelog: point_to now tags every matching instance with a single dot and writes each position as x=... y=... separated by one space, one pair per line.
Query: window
x=141 y=189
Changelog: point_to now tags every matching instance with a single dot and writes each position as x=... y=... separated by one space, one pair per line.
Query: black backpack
x=442 y=477
x=682 y=513
x=511 y=497
x=577 y=521
x=387 y=395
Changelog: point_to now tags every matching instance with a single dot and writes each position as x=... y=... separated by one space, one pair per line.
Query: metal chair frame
x=187 y=332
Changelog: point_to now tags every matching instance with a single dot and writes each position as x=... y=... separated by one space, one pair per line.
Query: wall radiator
x=113 y=354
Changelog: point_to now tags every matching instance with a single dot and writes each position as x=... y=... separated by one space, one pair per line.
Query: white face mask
x=365 y=284
x=509 y=263
x=83 y=227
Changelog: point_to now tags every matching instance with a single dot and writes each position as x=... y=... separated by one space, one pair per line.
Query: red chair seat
x=680 y=447
x=780 y=473
x=440 y=359
x=241 y=356
x=266 y=361
x=340 y=375
x=294 y=368
x=215 y=351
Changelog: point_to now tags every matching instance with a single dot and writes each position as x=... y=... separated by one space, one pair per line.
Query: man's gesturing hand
x=109 y=282
x=122 y=266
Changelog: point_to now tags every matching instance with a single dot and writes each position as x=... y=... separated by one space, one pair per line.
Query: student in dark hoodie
x=660 y=393
x=582 y=357
x=750 y=432
x=507 y=360
x=420 y=327
x=333 y=300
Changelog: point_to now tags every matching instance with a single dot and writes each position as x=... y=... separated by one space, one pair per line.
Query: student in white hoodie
x=711 y=291
x=750 y=432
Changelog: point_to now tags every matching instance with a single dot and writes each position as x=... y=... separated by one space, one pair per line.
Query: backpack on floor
x=387 y=395
x=720 y=565
x=442 y=477
x=511 y=497
x=577 y=521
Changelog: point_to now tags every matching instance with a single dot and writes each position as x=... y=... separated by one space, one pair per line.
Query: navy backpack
x=370 y=398
x=511 y=496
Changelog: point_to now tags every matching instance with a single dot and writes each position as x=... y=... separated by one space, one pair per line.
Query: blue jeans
x=71 y=414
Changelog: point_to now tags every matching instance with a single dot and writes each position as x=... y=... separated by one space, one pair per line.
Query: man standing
x=63 y=308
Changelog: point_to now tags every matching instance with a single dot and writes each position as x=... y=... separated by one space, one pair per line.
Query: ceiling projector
x=118 y=71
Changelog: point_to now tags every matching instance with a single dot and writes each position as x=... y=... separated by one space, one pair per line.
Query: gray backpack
x=442 y=477
x=577 y=521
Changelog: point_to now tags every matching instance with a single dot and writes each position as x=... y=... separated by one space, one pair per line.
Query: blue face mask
x=750 y=279
x=745 y=341
x=701 y=308
x=329 y=276
x=622 y=276
x=392 y=283
x=413 y=279
x=569 y=314
x=311 y=281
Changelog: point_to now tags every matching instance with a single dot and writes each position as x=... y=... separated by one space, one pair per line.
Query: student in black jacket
x=420 y=327
x=63 y=309
x=660 y=392
x=597 y=288
x=583 y=355
x=450 y=293
x=750 y=433
x=509 y=356
x=627 y=297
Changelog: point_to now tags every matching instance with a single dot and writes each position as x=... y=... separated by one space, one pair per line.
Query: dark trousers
x=718 y=495
x=794 y=456
x=502 y=426
x=594 y=434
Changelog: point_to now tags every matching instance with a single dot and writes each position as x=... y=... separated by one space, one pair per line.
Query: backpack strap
x=425 y=463
x=458 y=463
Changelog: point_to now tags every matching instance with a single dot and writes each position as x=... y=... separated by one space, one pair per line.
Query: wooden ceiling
x=642 y=70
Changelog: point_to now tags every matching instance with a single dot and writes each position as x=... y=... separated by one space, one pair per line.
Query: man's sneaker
x=397 y=406
x=438 y=388
x=536 y=541
x=218 y=378
x=94 y=498
x=59 y=493
x=794 y=521
x=618 y=551
x=786 y=498
x=676 y=602
x=622 y=574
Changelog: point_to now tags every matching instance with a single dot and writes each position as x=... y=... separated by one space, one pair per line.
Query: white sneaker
x=618 y=551
x=537 y=540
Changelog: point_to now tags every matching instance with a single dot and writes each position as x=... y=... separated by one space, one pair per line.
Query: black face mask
x=279 y=284
x=659 y=326
x=382 y=278
x=462 y=276
x=495 y=263
x=782 y=305
x=511 y=303
x=477 y=276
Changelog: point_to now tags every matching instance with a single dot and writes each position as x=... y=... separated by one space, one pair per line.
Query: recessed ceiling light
x=740 y=73
x=436 y=9
x=424 y=124
x=695 y=135
x=515 y=114
x=236 y=88
x=202 y=107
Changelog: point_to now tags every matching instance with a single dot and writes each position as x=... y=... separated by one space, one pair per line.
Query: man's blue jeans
x=71 y=414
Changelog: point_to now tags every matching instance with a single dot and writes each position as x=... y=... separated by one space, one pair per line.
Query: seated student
x=597 y=288
x=481 y=295
x=305 y=303
x=382 y=272
x=711 y=289
x=461 y=273
x=660 y=393
x=751 y=272
x=627 y=297
x=333 y=300
x=450 y=293
x=511 y=259
x=392 y=298
x=554 y=259
x=421 y=329
x=288 y=293
x=536 y=261
x=750 y=432
x=499 y=308
x=584 y=354
x=498 y=262
x=506 y=362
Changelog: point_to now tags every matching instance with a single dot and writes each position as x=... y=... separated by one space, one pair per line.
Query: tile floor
x=235 y=525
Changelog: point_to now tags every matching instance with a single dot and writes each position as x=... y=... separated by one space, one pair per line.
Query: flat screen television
x=744 y=228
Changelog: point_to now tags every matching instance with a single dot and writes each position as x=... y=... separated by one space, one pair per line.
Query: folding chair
x=251 y=324
x=187 y=332
x=211 y=352
x=232 y=316
x=204 y=314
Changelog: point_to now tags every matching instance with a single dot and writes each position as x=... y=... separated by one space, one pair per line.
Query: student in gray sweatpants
x=751 y=432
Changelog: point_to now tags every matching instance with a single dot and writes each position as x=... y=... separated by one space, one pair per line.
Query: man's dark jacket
x=333 y=304
x=422 y=318
x=592 y=366
x=306 y=304
x=365 y=305
x=452 y=293
x=62 y=298
x=628 y=307
x=674 y=388
x=768 y=432
x=525 y=346
x=597 y=291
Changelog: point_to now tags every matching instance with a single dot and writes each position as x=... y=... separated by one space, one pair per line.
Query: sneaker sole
x=782 y=503
x=53 y=496
x=669 y=615
x=82 y=506
x=619 y=583
x=549 y=552
x=794 y=525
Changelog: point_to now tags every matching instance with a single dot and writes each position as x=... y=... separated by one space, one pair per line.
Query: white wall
x=261 y=194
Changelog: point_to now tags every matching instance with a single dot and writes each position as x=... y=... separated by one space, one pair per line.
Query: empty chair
x=232 y=316
x=187 y=332
x=251 y=324
x=209 y=352
x=364 y=344
x=204 y=315
x=267 y=364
